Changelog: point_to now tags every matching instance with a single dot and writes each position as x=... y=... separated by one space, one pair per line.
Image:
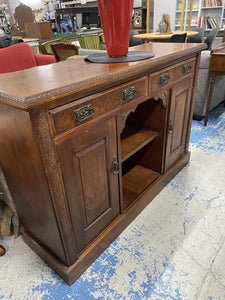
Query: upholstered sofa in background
x=203 y=88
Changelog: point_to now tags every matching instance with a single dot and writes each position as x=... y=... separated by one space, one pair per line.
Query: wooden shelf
x=211 y=7
x=136 y=181
x=135 y=142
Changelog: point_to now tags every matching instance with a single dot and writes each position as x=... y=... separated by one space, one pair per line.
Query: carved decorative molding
x=162 y=99
x=124 y=116
x=37 y=99
x=40 y=119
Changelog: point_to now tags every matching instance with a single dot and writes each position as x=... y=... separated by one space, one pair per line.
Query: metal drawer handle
x=170 y=127
x=187 y=68
x=164 y=78
x=115 y=166
x=129 y=93
x=84 y=113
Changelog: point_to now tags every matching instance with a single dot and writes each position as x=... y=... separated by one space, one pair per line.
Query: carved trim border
x=124 y=117
x=124 y=72
x=162 y=99
x=53 y=175
x=26 y=103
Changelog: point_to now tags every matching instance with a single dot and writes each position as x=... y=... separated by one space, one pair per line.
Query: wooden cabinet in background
x=40 y=30
x=85 y=147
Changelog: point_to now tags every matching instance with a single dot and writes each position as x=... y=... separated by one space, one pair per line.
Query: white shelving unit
x=205 y=13
x=195 y=14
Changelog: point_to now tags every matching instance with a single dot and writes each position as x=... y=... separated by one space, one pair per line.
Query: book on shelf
x=209 y=22
x=212 y=3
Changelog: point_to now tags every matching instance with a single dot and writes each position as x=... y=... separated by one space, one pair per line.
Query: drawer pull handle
x=164 y=78
x=129 y=93
x=187 y=68
x=170 y=128
x=84 y=113
x=115 y=166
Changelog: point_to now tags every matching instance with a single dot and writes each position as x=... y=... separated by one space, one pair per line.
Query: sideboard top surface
x=40 y=85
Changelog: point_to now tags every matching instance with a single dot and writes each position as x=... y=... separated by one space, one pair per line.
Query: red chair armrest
x=44 y=59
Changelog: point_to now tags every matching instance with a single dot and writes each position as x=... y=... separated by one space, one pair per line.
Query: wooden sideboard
x=85 y=147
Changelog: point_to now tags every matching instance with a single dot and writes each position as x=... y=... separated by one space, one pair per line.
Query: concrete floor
x=175 y=249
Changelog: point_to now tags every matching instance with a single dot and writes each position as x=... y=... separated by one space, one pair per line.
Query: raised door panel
x=91 y=187
x=178 y=122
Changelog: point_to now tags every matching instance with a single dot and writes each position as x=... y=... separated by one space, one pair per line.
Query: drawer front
x=77 y=112
x=167 y=76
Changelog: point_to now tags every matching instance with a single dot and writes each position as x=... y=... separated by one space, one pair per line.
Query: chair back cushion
x=178 y=38
x=210 y=38
x=16 y=57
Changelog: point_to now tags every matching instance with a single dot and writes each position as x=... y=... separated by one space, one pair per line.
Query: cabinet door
x=91 y=187
x=178 y=121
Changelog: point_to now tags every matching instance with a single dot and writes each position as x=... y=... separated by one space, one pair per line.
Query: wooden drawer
x=77 y=112
x=167 y=76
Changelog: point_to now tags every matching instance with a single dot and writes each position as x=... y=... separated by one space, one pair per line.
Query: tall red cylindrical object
x=116 y=21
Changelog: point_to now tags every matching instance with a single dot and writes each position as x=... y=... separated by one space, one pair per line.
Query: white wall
x=164 y=7
x=34 y=4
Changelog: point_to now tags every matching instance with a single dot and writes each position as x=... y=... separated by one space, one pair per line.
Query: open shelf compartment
x=141 y=149
x=135 y=141
x=135 y=181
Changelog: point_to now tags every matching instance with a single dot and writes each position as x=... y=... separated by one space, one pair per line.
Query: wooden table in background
x=216 y=68
x=162 y=37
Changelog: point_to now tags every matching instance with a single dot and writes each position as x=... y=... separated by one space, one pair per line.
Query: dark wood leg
x=212 y=77
x=2 y=250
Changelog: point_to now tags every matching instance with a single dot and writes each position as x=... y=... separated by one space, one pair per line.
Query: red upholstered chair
x=21 y=56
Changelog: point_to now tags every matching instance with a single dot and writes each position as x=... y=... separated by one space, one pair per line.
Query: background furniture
x=198 y=38
x=9 y=222
x=34 y=43
x=21 y=56
x=91 y=8
x=216 y=69
x=134 y=41
x=87 y=41
x=101 y=140
x=210 y=38
x=199 y=13
x=2 y=250
x=178 y=38
x=40 y=30
x=203 y=84
x=157 y=37
x=14 y=58
x=23 y=14
x=62 y=51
